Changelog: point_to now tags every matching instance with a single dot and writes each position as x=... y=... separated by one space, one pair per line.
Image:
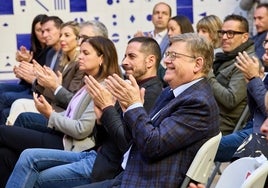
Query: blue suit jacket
x=256 y=90
x=164 y=148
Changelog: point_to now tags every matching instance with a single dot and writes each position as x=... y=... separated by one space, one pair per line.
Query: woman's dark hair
x=35 y=43
x=105 y=47
x=184 y=23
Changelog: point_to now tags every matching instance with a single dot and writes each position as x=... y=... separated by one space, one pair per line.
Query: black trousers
x=13 y=140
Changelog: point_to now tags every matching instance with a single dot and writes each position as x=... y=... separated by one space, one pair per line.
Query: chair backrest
x=243 y=118
x=257 y=178
x=236 y=173
x=201 y=166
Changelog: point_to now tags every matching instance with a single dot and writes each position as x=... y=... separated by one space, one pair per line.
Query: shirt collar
x=177 y=91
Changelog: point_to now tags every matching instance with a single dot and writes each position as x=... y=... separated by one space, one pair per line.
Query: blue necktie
x=166 y=96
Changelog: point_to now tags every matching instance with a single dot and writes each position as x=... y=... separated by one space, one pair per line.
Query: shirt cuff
x=135 y=105
x=57 y=90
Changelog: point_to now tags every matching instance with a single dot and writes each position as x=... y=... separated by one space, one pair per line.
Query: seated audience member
x=176 y=25
x=50 y=26
x=161 y=141
x=38 y=50
x=257 y=86
x=62 y=95
x=160 y=17
x=72 y=129
x=261 y=24
x=83 y=167
x=264 y=126
x=68 y=75
x=208 y=27
x=227 y=81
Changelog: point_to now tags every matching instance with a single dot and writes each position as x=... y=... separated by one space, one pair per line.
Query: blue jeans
x=8 y=94
x=230 y=143
x=52 y=168
x=31 y=120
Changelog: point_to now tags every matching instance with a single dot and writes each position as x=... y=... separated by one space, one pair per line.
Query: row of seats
x=246 y=172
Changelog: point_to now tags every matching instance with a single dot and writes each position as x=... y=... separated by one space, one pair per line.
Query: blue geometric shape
x=115 y=37
x=5 y=24
x=185 y=7
x=22 y=3
x=110 y=2
x=42 y=5
x=149 y=17
x=78 y=6
x=79 y=20
x=203 y=14
x=132 y=18
x=6 y=7
x=23 y=40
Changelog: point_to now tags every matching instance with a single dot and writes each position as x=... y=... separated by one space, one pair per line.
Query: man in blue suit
x=165 y=141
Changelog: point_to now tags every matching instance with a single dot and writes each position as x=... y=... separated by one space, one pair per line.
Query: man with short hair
x=257 y=85
x=70 y=169
x=160 y=16
x=165 y=142
x=227 y=81
x=51 y=32
x=261 y=24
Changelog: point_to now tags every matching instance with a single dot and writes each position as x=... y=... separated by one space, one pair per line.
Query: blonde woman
x=208 y=28
x=49 y=83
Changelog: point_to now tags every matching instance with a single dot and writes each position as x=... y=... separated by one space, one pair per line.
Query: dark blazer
x=256 y=90
x=108 y=162
x=71 y=83
x=163 y=148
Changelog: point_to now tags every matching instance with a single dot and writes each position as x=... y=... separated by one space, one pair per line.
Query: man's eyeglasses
x=173 y=55
x=264 y=43
x=230 y=33
x=82 y=37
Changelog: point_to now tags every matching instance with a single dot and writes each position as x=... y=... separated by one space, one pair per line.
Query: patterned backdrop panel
x=122 y=18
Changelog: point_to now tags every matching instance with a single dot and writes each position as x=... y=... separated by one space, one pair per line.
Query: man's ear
x=199 y=64
x=245 y=37
x=150 y=61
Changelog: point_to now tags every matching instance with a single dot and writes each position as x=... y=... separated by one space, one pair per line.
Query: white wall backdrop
x=122 y=18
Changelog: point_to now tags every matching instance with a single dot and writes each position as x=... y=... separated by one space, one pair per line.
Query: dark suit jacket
x=163 y=148
x=256 y=90
x=108 y=162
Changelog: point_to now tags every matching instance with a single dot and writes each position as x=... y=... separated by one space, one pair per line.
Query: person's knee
x=22 y=119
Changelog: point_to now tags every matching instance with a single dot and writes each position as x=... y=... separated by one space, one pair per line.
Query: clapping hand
x=126 y=92
x=101 y=96
x=42 y=105
x=23 y=54
x=250 y=66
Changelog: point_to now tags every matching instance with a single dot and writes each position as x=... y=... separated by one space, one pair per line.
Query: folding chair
x=257 y=178
x=201 y=165
x=244 y=173
x=244 y=116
